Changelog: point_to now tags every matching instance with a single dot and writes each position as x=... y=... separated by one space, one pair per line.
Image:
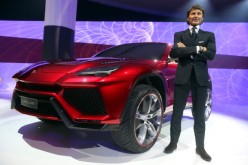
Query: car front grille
x=86 y=100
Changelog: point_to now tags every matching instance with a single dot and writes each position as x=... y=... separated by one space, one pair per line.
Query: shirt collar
x=197 y=28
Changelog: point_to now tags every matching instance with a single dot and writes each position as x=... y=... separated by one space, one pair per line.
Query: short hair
x=196 y=7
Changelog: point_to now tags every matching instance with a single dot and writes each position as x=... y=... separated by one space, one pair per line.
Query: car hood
x=45 y=72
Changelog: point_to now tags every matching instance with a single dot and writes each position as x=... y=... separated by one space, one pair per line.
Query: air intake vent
x=86 y=100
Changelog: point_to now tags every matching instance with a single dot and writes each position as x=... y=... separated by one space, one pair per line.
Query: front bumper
x=76 y=107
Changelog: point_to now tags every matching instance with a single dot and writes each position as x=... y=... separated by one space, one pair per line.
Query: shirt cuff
x=197 y=49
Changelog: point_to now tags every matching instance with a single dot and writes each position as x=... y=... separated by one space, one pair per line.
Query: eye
x=193 y=13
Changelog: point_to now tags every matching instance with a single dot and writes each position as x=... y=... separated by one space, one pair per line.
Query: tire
x=208 y=104
x=142 y=120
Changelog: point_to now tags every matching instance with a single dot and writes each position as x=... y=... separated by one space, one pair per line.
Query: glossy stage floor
x=24 y=139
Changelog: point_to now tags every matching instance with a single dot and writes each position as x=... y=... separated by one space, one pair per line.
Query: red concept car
x=125 y=89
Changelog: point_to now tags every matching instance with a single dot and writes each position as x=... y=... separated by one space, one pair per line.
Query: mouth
x=196 y=19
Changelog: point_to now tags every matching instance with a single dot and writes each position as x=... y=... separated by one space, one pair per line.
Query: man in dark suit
x=193 y=47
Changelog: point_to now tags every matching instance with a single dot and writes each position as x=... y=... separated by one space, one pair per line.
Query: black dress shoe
x=170 y=148
x=203 y=154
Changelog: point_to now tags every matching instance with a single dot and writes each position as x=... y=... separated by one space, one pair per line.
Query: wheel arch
x=154 y=80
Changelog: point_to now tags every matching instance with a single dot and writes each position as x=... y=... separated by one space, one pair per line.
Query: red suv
x=125 y=89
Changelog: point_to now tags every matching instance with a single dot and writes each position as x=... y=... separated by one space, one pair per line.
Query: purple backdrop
x=229 y=85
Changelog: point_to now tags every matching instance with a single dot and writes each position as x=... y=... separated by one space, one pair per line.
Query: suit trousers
x=199 y=96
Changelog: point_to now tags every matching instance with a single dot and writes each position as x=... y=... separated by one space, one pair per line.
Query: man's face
x=195 y=17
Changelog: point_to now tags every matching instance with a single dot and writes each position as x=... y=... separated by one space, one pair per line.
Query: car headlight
x=98 y=71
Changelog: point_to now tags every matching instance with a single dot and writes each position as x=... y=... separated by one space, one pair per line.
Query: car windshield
x=147 y=50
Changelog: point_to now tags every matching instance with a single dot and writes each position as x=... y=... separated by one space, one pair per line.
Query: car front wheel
x=142 y=120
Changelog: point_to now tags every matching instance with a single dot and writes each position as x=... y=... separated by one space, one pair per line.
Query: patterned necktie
x=194 y=34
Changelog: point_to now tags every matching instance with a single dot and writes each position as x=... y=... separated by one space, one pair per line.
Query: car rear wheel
x=142 y=120
x=208 y=104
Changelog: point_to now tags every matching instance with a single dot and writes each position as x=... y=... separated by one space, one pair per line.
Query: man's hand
x=180 y=45
x=203 y=49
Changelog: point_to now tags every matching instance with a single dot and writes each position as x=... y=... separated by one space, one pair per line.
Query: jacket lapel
x=186 y=38
x=198 y=38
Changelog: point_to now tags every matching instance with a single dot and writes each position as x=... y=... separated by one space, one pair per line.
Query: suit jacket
x=199 y=62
